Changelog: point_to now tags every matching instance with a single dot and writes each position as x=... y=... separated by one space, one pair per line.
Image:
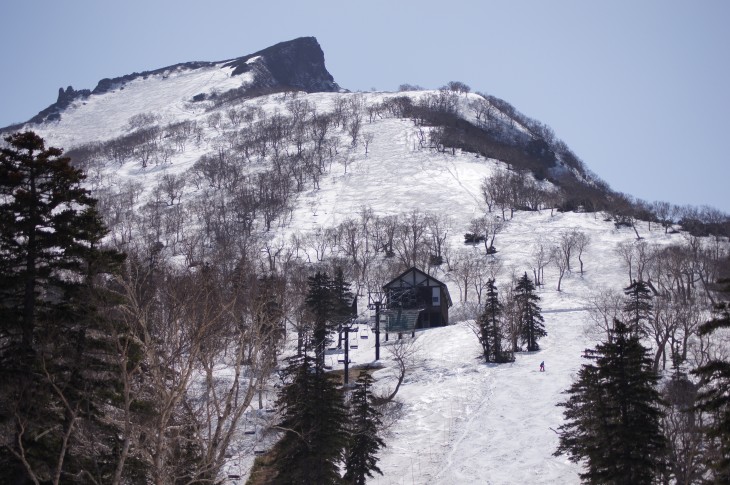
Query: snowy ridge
x=168 y=95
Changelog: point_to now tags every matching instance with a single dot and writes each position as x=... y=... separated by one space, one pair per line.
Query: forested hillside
x=177 y=282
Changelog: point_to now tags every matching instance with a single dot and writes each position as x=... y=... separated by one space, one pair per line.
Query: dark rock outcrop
x=65 y=98
x=296 y=64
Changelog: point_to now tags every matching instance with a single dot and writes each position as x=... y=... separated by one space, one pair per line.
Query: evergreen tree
x=320 y=306
x=342 y=299
x=342 y=296
x=364 y=442
x=491 y=334
x=314 y=423
x=714 y=400
x=329 y=303
x=531 y=322
x=55 y=362
x=45 y=218
x=638 y=307
x=612 y=414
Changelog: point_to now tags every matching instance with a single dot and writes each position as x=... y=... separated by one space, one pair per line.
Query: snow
x=467 y=422
x=104 y=116
x=464 y=421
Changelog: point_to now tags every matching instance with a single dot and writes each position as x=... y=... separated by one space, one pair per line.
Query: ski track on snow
x=464 y=421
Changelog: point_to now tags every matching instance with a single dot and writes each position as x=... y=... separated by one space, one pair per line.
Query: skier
x=542 y=366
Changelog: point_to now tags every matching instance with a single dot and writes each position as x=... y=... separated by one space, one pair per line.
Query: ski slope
x=467 y=422
x=463 y=421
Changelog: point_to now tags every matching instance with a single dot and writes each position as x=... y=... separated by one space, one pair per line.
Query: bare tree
x=561 y=262
x=626 y=251
x=582 y=241
x=172 y=186
x=464 y=268
x=403 y=352
x=438 y=227
x=665 y=213
x=638 y=256
x=185 y=325
x=487 y=227
x=457 y=86
x=486 y=269
x=605 y=306
x=410 y=243
x=367 y=139
x=541 y=257
x=661 y=327
x=567 y=245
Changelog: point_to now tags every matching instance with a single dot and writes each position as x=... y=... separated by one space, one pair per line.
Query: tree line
x=629 y=424
x=111 y=361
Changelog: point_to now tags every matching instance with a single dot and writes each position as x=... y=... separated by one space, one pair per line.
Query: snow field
x=464 y=422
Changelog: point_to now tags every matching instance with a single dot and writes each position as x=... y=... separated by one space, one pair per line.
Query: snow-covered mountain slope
x=462 y=421
x=465 y=421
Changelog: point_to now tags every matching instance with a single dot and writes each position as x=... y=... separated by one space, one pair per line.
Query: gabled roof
x=414 y=277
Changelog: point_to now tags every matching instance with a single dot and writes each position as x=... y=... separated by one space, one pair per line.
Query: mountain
x=295 y=64
x=263 y=162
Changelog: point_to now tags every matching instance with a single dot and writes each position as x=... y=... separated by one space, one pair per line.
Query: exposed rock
x=65 y=98
x=297 y=64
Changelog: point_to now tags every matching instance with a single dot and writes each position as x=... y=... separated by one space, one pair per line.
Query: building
x=416 y=300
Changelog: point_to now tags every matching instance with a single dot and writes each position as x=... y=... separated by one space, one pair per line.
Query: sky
x=638 y=90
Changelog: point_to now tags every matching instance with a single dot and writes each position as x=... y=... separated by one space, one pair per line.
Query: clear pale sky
x=637 y=89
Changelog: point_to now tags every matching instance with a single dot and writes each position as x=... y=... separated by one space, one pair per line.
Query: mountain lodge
x=416 y=300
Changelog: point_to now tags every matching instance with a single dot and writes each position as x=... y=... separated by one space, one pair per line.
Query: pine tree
x=329 y=304
x=314 y=423
x=638 y=307
x=320 y=306
x=364 y=442
x=613 y=415
x=44 y=212
x=531 y=322
x=55 y=362
x=342 y=299
x=714 y=399
x=342 y=296
x=491 y=334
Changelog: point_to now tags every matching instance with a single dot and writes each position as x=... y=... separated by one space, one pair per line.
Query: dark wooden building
x=416 y=300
